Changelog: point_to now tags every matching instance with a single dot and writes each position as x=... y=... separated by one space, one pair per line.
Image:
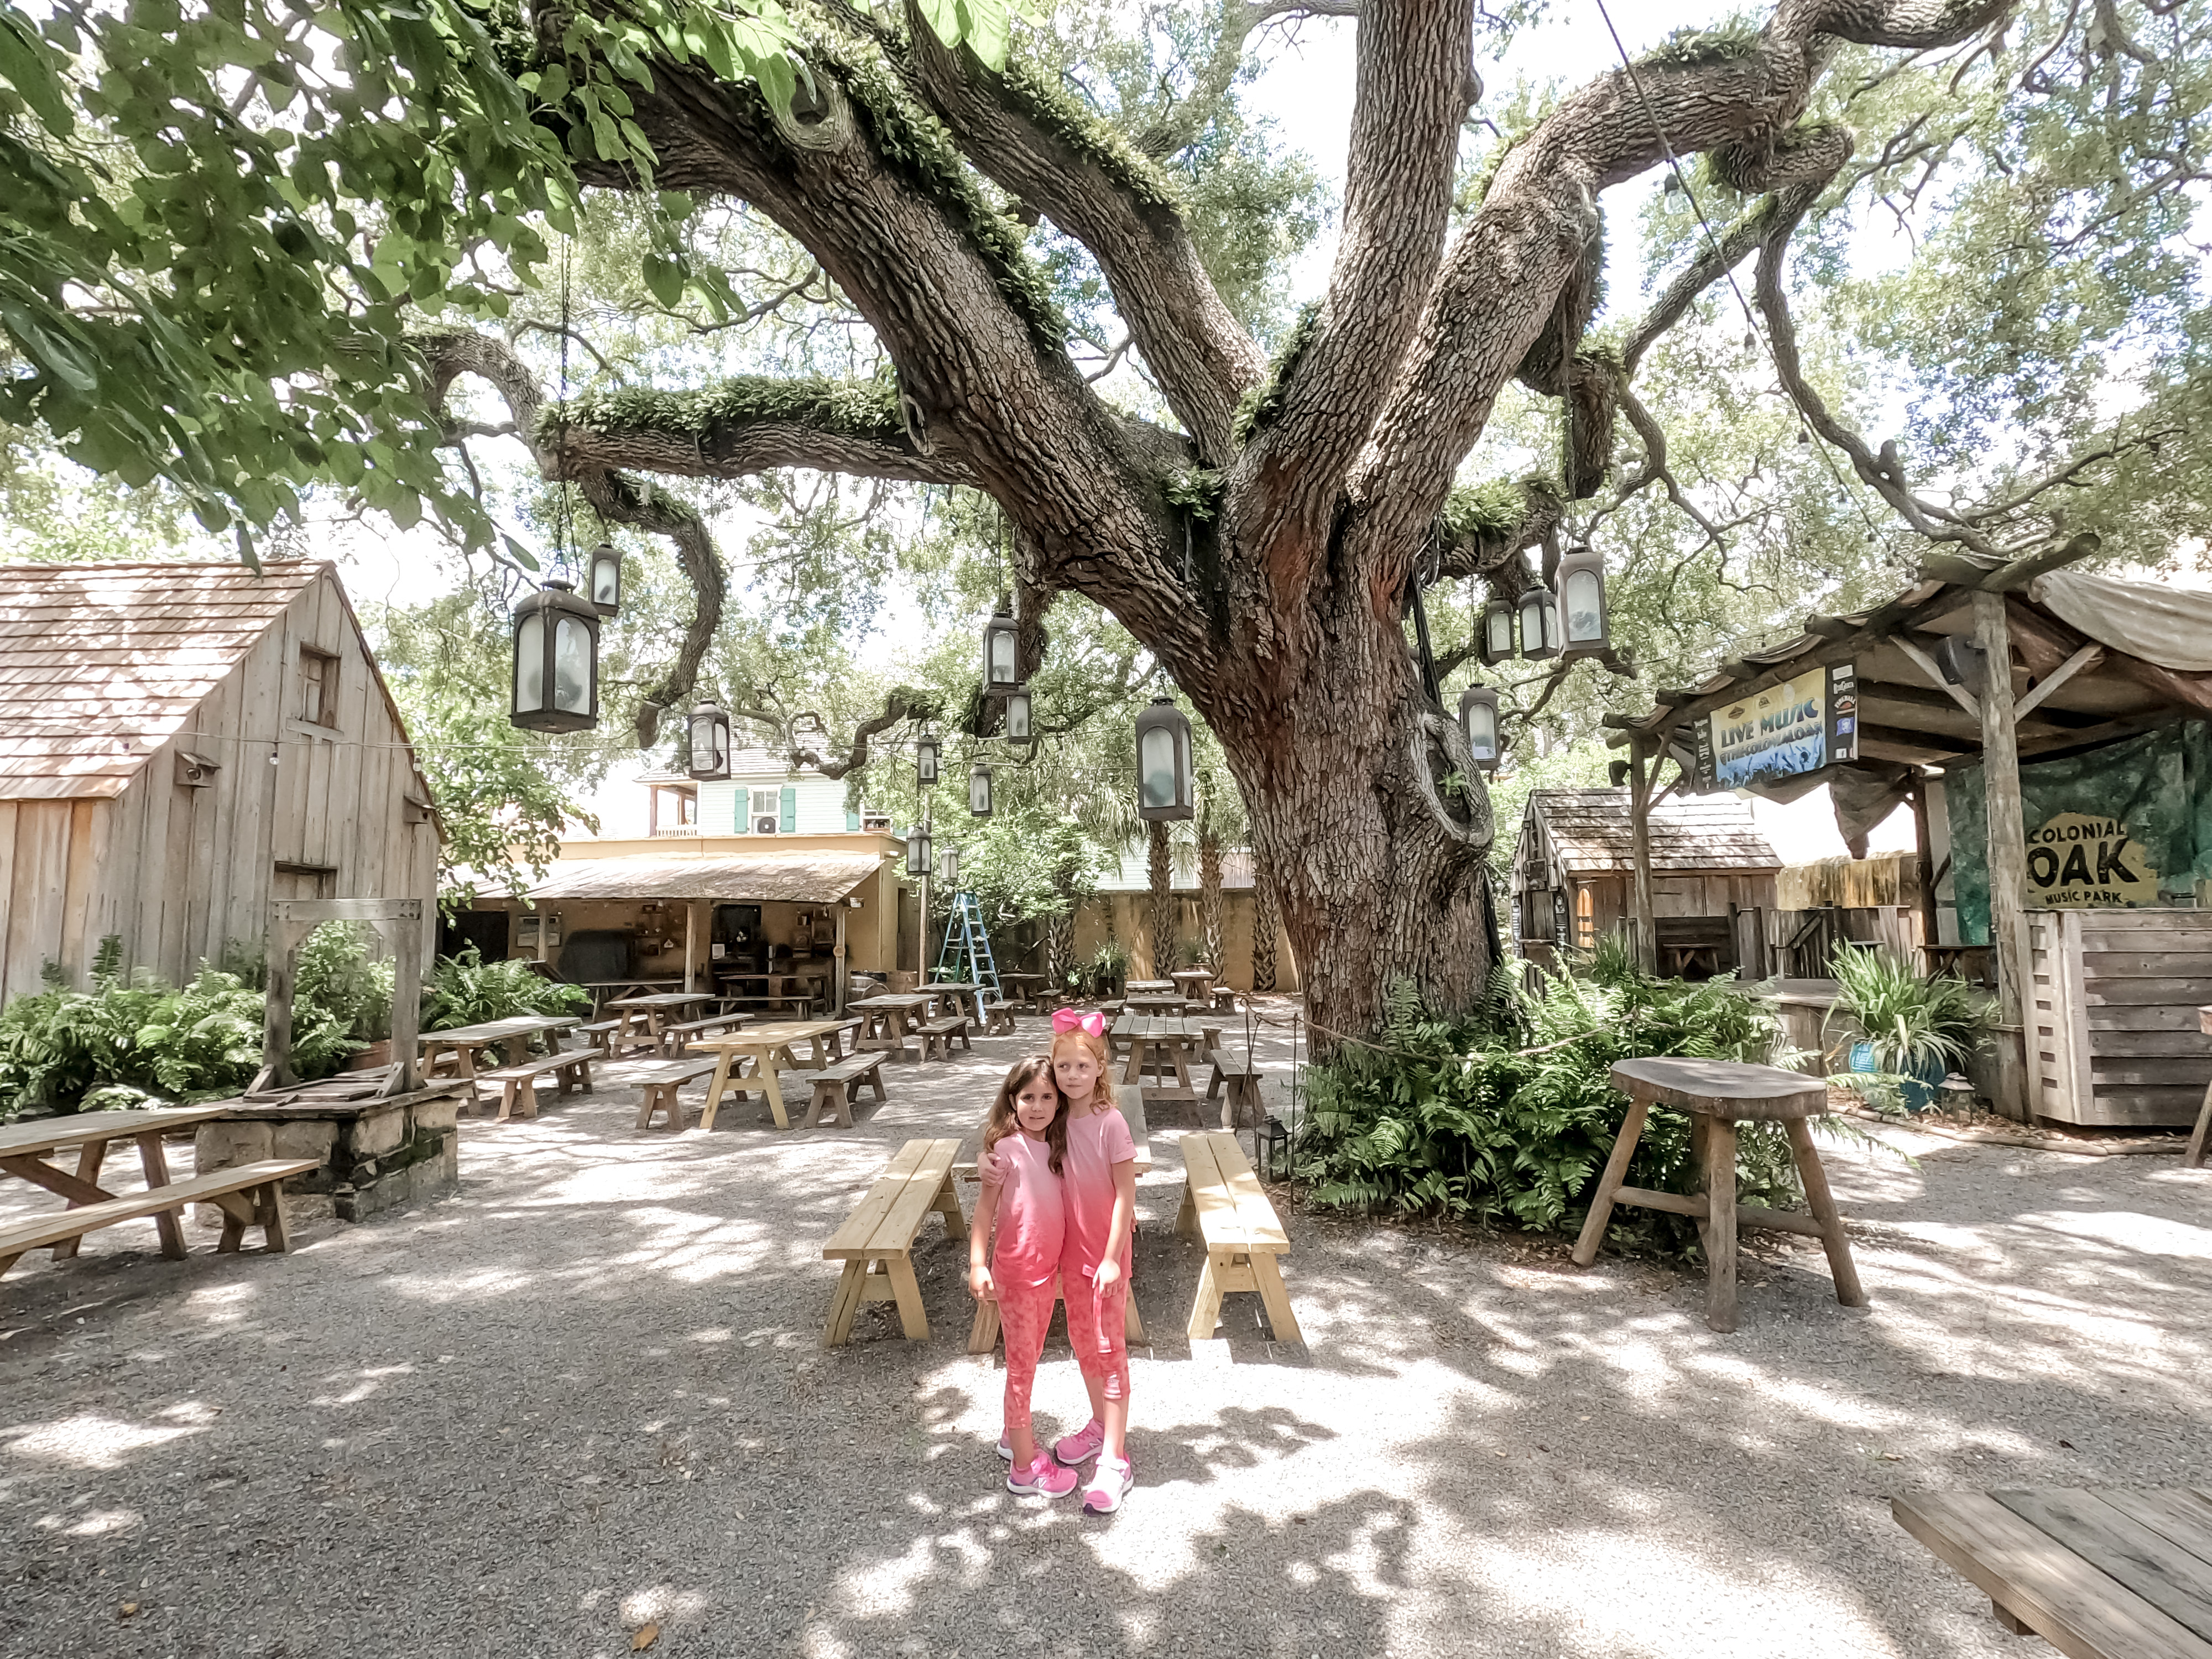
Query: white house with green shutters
x=762 y=796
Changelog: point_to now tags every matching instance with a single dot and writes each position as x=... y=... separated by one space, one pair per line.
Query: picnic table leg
x=906 y=1290
x=1823 y=1204
x=1205 y=1308
x=168 y=1222
x=714 y=1088
x=269 y=1206
x=89 y=1158
x=1133 y=1329
x=844 y=1303
x=947 y=1204
x=1720 y=1217
x=1135 y=1072
x=773 y=1089
x=1276 y=1299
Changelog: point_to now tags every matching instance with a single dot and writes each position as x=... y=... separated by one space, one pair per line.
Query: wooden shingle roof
x=102 y=663
x=1589 y=830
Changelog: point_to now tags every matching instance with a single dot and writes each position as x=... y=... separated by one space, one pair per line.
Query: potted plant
x=1907 y=1033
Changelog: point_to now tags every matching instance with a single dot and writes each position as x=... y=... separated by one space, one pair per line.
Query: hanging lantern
x=602 y=579
x=949 y=867
x=1163 y=787
x=1478 y=719
x=710 y=742
x=1496 y=642
x=1585 y=623
x=998 y=673
x=925 y=759
x=917 y=850
x=1540 y=624
x=556 y=661
x=1017 y=715
x=979 y=790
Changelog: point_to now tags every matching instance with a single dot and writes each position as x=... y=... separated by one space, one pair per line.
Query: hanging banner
x=1797 y=726
x=2087 y=861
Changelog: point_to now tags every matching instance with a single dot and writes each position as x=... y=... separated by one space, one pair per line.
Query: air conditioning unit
x=764 y=824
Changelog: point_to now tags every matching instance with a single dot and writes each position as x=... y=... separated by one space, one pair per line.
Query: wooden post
x=691 y=941
x=2007 y=860
x=405 y=936
x=1640 y=843
x=1923 y=839
x=837 y=961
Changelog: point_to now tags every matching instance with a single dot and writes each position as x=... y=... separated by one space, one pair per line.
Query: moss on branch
x=1262 y=406
x=1053 y=109
x=1726 y=42
x=851 y=409
x=1491 y=520
x=914 y=146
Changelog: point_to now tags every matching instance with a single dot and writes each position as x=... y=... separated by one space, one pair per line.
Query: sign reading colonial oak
x=1799 y=725
x=2081 y=860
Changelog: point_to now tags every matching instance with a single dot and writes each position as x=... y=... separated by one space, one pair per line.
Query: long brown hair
x=1001 y=1122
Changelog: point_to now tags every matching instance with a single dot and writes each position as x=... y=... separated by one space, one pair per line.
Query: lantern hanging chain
x=1750 y=319
x=561 y=504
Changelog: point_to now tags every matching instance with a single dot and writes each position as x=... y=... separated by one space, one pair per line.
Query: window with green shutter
x=852 y=820
x=787 y=820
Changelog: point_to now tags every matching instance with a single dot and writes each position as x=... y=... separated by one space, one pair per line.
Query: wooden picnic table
x=2102 y=1573
x=766 y=1044
x=1196 y=984
x=888 y=1019
x=1141 y=986
x=781 y=987
x=511 y=1036
x=1158 y=1042
x=1156 y=1002
x=951 y=990
x=1022 y=988
x=24 y=1147
x=654 y=1008
x=602 y=990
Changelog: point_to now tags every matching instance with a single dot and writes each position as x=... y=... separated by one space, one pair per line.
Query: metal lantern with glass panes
x=1585 y=626
x=602 y=579
x=1163 y=786
x=1496 y=642
x=948 y=866
x=1540 y=624
x=556 y=661
x=924 y=758
x=979 y=790
x=1017 y=715
x=1478 y=719
x=917 y=850
x=710 y=742
x=998 y=673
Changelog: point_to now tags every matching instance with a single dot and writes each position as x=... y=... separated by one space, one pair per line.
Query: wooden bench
x=875 y=1243
x=1222 y=1203
x=2107 y=1572
x=518 y=1085
x=998 y=1018
x=601 y=1034
x=661 y=1079
x=834 y=1084
x=246 y=1193
x=1242 y=1109
x=940 y=1034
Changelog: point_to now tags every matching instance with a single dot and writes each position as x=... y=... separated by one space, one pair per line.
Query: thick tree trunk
x=1266 y=924
x=1163 y=901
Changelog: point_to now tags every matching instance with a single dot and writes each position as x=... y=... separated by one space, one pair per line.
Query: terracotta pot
x=376 y=1055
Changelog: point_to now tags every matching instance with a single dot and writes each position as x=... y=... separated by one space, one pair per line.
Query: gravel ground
x=585 y=1396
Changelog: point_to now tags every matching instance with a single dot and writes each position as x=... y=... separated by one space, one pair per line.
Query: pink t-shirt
x=1095 y=1145
x=1031 y=1219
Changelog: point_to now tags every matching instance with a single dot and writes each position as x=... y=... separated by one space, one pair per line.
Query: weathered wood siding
x=179 y=871
x=2115 y=1015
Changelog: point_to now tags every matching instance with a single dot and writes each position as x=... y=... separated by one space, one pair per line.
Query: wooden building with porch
x=2049 y=729
x=181 y=744
x=1712 y=879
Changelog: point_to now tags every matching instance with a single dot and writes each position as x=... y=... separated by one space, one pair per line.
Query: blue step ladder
x=965 y=956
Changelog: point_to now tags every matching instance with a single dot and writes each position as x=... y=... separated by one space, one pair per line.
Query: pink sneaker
x=1112 y=1478
x=1081 y=1446
x=1042 y=1476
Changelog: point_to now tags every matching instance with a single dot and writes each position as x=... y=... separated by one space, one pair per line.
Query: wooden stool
x=1719 y=1094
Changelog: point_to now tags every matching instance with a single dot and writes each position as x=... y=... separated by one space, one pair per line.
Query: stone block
x=437 y=1115
x=312 y=1138
x=220 y=1146
x=377 y=1130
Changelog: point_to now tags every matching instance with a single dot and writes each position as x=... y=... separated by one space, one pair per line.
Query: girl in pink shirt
x=1099 y=1189
x=1025 y=1150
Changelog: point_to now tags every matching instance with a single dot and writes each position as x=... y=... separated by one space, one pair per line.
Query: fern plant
x=466 y=990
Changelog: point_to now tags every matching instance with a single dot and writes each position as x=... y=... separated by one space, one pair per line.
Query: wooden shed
x=2052 y=731
x=1712 y=879
x=180 y=744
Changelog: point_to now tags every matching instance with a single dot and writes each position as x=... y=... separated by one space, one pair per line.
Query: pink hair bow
x=1074 y=1019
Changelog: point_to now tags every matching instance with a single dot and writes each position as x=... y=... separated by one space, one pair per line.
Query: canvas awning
x=756 y=879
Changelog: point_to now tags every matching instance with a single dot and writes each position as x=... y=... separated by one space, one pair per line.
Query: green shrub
x=1913 y=1025
x=1507 y=1119
x=466 y=990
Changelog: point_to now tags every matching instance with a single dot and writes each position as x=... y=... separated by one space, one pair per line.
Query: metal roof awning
x=757 y=879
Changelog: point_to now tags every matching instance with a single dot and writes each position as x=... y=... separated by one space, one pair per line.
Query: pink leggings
x=1024 y=1312
x=1094 y=1330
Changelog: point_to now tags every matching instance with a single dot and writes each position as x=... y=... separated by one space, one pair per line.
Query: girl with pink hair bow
x=1099 y=1197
